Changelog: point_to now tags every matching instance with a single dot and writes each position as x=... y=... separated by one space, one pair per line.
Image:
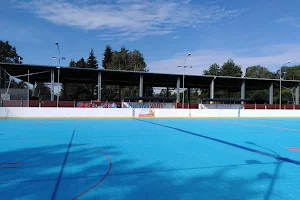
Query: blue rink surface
x=234 y=159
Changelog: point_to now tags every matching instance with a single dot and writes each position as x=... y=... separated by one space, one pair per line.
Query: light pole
x=58 y=53
x=183 y=77
x=280 y=83
x=63 y=58
x=58 y=87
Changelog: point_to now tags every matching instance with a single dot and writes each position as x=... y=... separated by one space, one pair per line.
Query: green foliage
x=286 y=96
x=72 y=63
x=258 y=71
x=92 y=61
x=291 y=73
x=113 y=60
x=42 y=92
x=107 y=60
x=77 y=91
x=123 y=60
x=126 y=60
x=8 y=54
x=229 y=68
x=213 y=70
x=81 y=63
x=258 y=96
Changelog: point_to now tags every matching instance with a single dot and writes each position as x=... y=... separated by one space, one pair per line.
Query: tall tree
x=72 y=63
x=81 y=63
x=291 y=73
x=136 y=61
x=42 y=92
x=213 y=70
x=123 y=60
x=92 y=61
x=258 y=71
x=229 y=68
x=107 y=60
x=8 y=53
x=120 y=59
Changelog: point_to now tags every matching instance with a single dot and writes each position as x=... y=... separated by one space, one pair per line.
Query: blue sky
x=264 y=32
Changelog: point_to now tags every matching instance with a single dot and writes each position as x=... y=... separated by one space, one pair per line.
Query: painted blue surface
x=151 y=159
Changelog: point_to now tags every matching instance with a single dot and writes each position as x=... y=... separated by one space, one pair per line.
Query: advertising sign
x=147 y=113
x=94 y=105
x=147 y=105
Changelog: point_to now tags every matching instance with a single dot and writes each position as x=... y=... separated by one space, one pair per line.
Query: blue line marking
x=63 y=165
x=227 y=143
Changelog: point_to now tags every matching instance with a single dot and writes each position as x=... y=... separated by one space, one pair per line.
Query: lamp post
x=58 y=53
x=183 y=77
x=63 y=58
x=58 y=87
x=280 y=73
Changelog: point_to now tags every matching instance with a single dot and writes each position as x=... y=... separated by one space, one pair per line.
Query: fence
x=93 y=104
x=14 y=97
x=272 y=106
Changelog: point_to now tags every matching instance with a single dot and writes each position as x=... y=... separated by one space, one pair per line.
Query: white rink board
x=25 y=112
x=66 y=112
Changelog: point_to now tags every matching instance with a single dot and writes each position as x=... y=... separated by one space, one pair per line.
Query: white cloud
x=286 y=19
x=201 y=60
x=139 y=18
x=293 y=21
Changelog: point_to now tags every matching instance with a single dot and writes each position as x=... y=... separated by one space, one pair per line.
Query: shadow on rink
x=37 y=176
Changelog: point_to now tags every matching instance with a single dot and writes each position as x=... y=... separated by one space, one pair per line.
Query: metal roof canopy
x=130 y=78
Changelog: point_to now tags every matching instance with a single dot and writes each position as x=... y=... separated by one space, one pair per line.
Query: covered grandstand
x=49 y=74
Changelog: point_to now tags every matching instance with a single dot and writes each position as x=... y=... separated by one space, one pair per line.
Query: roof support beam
x=177 y=90
x=99 y=86
x=297 y=95
x=52 y=85
x=141 y=86
x=271 y=90
x=212 y=89
x=243 y=90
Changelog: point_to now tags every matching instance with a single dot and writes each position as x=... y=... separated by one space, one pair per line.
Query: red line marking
x=293 y=149
x=106 y=174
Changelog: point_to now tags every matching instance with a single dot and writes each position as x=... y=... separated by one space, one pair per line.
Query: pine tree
x=72 y=63
x=81 y=63
x=107 y=60
x=92 y=61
